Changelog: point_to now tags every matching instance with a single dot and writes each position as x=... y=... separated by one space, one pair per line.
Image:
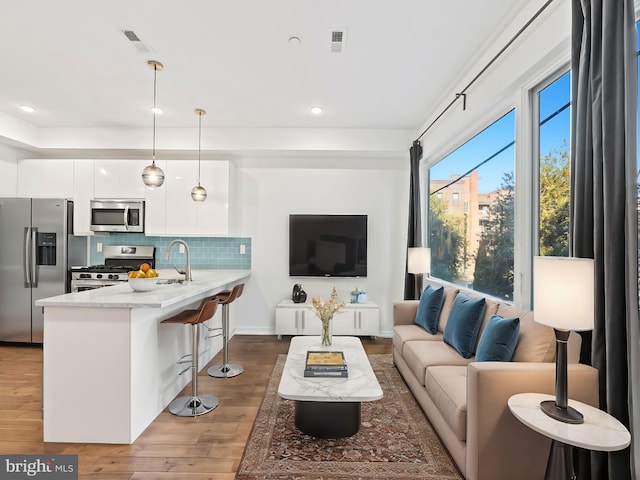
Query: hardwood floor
x=176 y=448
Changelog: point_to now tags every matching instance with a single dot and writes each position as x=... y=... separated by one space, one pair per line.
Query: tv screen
x=328 y=245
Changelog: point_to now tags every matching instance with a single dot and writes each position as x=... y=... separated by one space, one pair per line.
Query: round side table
x=600 y=431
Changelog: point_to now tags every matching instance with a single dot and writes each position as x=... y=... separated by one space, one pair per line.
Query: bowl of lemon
x=144 y=279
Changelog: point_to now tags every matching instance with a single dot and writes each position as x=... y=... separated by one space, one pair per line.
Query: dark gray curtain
x=604 y=223
x=414 y=233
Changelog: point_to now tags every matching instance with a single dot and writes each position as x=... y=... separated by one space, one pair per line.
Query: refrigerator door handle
x=34 y=265
x=126 y=217
x=26 y=263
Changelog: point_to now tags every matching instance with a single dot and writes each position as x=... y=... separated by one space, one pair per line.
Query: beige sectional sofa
x=466 y=401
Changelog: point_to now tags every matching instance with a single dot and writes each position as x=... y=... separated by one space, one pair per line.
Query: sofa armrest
x=499 y=445
x=404 y=312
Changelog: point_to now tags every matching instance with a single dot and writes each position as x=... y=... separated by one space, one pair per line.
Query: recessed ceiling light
x=295 y=41
x=316 y=110
x=157 y=110
x=27 y=108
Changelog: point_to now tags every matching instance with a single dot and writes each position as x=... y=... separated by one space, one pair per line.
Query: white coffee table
x=600 y=431
x=328 y=407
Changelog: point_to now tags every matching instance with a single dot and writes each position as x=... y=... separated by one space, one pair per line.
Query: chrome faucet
x=187 y=268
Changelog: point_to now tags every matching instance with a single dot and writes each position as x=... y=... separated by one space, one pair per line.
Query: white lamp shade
x=563 y=292
x=419 y=260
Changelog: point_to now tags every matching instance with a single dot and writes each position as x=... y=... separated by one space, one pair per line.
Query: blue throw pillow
x=429 y=309
x=498 y=340
x=463 y=324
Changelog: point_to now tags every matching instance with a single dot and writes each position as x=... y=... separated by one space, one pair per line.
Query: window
x=473 y=245
x=554 y=123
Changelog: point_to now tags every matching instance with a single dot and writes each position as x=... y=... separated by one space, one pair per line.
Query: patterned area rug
x=395 y=440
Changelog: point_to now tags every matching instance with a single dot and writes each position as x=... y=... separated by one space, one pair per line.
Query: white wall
x=9 y=170
x=269 y=195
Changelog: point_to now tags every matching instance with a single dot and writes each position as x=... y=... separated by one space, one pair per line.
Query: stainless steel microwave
x=117 y=215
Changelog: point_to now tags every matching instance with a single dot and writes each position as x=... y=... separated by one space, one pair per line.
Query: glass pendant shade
x=152 y=175
x=198 y=193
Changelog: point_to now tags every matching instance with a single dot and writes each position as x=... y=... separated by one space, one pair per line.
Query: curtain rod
x=462 y=93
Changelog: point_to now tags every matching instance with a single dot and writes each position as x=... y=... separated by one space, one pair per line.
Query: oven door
x=84 y=285
x=117 y=216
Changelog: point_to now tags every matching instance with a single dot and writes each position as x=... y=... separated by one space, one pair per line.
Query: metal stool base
x=193 y=406
x=226 y=370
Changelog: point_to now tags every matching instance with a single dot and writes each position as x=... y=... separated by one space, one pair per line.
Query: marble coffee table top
x=360 y=386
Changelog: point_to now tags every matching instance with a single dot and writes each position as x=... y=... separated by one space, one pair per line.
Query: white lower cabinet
x=359 y=319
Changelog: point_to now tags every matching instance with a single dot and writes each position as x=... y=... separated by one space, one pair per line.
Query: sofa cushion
x=428 y=311
x=420 y=355
x=498 y=340
x=536 y=342
x=447 y=387
x=463 y=324
x=405 y=333
x=450 y=294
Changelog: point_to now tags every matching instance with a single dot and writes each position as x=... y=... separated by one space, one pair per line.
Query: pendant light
x=199 y=194
x=152 y=175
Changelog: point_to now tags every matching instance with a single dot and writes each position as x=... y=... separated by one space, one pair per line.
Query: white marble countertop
x=600 y=431
x=164 y=295
x=360 y=386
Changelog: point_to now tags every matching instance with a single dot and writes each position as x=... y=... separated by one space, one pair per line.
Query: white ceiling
x=70 y=60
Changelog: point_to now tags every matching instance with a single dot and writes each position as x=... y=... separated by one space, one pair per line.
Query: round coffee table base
x=328 y=419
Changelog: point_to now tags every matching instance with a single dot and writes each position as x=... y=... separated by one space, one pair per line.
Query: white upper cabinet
x=119 y=178
x=183 y=216
x=45 y=178
x=83 y=192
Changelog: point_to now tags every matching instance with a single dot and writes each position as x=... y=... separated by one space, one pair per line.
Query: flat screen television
x=327 y=245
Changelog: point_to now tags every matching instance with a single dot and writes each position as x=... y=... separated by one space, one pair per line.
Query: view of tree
x=554 y=202
x=494 y=260
x=446 y=235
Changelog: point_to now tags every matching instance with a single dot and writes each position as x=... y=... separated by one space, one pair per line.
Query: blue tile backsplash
x=215 y=253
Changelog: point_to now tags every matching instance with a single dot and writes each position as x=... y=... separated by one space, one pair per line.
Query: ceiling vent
x=338 y=38
x=135 y=41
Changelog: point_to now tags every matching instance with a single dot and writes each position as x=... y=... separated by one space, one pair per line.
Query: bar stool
x=193 y=405
x=227 y=369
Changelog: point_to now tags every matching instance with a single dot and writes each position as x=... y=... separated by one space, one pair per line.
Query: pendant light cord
x=153 y=153
x=199 y=142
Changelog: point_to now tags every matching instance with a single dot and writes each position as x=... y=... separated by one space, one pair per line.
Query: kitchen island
x=109 y=365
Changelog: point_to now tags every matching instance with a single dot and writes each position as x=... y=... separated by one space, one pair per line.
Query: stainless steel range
x=118 y=261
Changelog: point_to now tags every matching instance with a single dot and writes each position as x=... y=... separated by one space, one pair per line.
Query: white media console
x=355 y=319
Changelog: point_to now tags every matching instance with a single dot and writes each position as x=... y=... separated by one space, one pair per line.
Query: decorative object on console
x=563 y=298
x=325 y=310
x=363 y=297
x=418 y=263
x=298 y=295
x=428 y=312
x=199 y=194
x=152 y=175
x=354 y=295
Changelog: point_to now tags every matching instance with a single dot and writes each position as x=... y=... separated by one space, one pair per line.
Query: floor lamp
x=563 y=291
x=419 y=263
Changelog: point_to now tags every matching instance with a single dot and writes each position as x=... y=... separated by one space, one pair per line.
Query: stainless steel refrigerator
x=36 y=251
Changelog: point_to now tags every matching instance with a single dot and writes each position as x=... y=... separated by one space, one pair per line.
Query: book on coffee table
x=325 y=364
